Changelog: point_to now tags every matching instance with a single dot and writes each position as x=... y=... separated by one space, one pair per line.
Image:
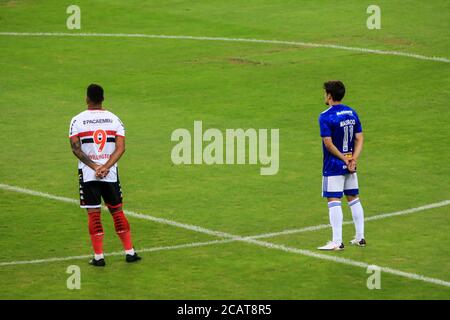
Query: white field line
x=82 y=257
x=346 y=261
x=281 y=42
x=376 y=217
x=222 y=234
x=228 y=238
x=127 y=212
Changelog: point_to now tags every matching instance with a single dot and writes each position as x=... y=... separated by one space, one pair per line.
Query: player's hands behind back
x=101 y=171
x=351 y=166
x=350 y=162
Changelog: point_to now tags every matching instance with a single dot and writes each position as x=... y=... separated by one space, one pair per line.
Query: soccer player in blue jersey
x=342 y=141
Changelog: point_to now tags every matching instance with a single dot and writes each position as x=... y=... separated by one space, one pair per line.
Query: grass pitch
x=158 y=85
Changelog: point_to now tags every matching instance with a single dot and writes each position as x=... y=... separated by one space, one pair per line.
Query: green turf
x=158 y=85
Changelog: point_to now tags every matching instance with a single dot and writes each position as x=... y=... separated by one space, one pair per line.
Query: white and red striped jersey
x=97 y=130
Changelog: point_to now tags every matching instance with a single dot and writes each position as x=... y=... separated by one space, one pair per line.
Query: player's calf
x=358 y=219
x=96 y=233
x=122 y=227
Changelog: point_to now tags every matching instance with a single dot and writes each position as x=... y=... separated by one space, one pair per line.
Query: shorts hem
x=97 y=206
x=332 y=194
x=351 y=192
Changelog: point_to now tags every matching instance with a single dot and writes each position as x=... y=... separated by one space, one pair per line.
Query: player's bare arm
x=359 y=140
x=115 y=156
x=76 y=150
x=328 y=142
x=356 y=152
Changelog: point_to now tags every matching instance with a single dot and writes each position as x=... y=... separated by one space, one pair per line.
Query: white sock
x=130 y=252
x=336 y=217
x=358 y=217
x=98 y=256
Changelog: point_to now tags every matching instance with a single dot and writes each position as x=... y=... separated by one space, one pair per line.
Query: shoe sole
x=335 y=249
x=96 y=265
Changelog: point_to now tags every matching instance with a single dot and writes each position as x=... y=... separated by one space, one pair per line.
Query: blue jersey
x=341 y=123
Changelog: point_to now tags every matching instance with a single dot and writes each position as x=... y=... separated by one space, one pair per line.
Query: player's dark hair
x=336 y=89
x=95 y=93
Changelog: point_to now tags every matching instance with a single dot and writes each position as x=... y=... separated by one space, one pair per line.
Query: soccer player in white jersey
x=342 y=141
x=97 y=137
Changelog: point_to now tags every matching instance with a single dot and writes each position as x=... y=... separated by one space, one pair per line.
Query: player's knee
x=121 y=223
x=92 y=210
x=115 y=210
x=352 y=197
